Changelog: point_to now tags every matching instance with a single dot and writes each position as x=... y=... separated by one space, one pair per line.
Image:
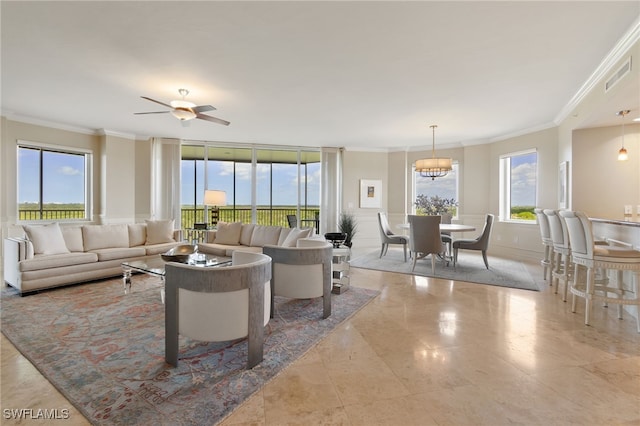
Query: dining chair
x=446 y=236
x=388 y=237
x=547 y=242
x=589 y=256
x=481 y=243
x=425 y=239
x=292 y=220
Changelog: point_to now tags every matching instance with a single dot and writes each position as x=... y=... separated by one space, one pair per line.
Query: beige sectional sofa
x=229 y=237
x=37 y=257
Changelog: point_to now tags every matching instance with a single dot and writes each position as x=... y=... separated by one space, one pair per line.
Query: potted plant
x=348 y=225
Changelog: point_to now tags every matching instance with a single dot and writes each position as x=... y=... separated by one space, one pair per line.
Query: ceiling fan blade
x=152 y=112
x=158 y=102
x=214 y=119
x=203 y=108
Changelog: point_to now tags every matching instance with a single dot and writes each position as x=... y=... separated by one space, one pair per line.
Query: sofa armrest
x=15 y=250
x=177 y=235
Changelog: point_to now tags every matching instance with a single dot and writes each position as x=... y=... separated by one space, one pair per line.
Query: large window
x=518 y=184
x=436 y=196
x=285 y=182
x=52 y=183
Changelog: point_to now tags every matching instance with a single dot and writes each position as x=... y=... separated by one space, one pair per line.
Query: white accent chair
x=388 y=237
x=302 y=272
x=217 y=304
x=586 y=254
x=425 y=239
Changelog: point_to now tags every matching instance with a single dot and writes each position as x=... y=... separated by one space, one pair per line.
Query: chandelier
x=435 y=166
x=622 y=154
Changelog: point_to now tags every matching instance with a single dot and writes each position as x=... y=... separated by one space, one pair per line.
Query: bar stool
x=586 y=254
x=545 y=233
x=563 y=266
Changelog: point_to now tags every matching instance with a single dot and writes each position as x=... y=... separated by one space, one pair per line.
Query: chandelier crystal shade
x=622 y=154
x=435 y=166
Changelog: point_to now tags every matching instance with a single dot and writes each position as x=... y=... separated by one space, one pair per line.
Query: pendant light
x=622 y=154
x=433 y=167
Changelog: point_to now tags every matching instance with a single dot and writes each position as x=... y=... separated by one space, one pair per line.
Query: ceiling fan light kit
x=184 y=110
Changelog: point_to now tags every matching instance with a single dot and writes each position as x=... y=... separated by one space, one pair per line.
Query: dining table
x=446 y=227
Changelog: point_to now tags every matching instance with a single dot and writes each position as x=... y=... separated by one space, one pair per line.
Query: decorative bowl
x=336 y=238
x=179 y=253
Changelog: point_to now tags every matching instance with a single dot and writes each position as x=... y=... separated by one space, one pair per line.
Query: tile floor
x=430 y=351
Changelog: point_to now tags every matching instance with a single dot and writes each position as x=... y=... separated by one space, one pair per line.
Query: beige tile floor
x=430 y=351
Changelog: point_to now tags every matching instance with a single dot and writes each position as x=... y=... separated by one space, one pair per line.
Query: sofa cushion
x=294 y=235
x=41 y=262
x=228 y=233
x=137 y=234
x=245 y=233
x=119 y=253
x=159 y=248
x=284 y=233
x=160 y=231
x=263 y=235
x=73 y=238
x=105 y=236
x=46 y=239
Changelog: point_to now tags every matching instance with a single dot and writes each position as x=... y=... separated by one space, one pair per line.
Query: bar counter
x=617 y=231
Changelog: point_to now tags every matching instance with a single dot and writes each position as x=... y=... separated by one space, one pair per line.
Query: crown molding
x=45 y=123
x=619 y=51
x=105 y=132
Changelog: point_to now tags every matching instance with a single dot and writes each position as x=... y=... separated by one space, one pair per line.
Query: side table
x=341 y=266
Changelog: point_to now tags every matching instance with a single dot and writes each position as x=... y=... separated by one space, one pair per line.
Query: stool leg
x=589 y=294
x=619 y=284
x=576 y=275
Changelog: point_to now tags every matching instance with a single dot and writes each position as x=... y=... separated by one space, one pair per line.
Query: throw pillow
x=228 y=233
x=245 y=234
x=264 y=235
x=294 y=235
x=137 y=234
x=98 y=237
x=73 y=238
x=46 y=239
x=160 y=231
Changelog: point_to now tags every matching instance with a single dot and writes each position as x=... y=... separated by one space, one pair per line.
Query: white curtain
x=330 y=189
x=165 y=180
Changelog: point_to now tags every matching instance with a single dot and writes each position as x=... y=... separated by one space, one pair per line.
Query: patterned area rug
x=470 y=268
x=105 y=351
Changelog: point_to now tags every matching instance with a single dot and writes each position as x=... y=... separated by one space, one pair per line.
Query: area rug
x=105 y=351
x=470 y=268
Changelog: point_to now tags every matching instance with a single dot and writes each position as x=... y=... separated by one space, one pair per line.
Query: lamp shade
x=183 y=114
x=433 y=163
x=214 y=197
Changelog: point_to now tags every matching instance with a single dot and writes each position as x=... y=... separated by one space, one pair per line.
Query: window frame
x=61 y=149
x=505 y=185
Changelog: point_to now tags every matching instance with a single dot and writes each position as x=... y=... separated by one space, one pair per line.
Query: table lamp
x=215 y=198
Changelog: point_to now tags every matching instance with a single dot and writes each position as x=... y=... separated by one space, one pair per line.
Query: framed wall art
x=370 y=194
x=563 y=185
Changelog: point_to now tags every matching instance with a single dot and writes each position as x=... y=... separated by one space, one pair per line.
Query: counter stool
x=563 y=265
x=586 y=254
x=545 y=234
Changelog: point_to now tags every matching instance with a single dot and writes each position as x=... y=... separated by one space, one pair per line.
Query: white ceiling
x=356 y=74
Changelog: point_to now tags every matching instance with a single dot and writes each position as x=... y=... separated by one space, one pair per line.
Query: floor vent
x=624 y=70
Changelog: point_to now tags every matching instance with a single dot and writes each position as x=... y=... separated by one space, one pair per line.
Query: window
x=436 y=193
x=518 y=183
x=286 y=181
x=52 y=183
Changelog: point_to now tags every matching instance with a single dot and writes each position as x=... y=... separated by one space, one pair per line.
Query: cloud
x=69 y=171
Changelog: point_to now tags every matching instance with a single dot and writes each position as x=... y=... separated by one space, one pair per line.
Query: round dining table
x=447 y=227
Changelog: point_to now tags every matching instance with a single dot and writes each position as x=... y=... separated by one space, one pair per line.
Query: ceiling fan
x=184 y=110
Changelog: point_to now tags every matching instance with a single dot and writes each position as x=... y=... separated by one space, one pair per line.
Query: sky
x=63 y=177
x=221 y=177
x=523 y=179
